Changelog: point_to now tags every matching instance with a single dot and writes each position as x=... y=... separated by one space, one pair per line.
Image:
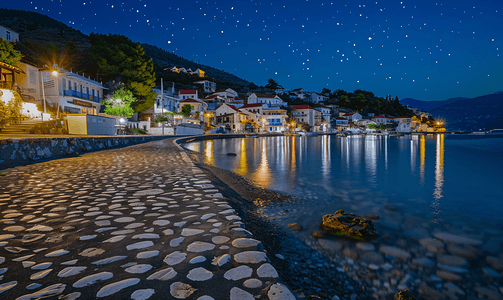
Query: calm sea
x=436 y=179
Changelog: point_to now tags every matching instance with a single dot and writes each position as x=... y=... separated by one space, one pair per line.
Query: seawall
x=23 y=151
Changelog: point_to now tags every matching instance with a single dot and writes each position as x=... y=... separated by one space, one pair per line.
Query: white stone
x=115 y=239
x=40 y=228
x=221 y=260
x=250 y=257
x=163 y=275
x=42 y=266
x=7 y=286
x=279 y=291
x=70 y=271
x=57 y=253
x=175 y=258
x=90 y=252
x=125 y=220
x=140 y=245
x=70 y=262
x=108 y=260
x=14 y=228
x=113 y=288
x=365 y=246
x=181 y=290
x=134 y=225
x=245 y=243
x=205 y=298
x=239 y=294
x=52 y=290
x=87 y=237
x=161 y=222
x=40 y=274
x=150 y=192
x=6 y=237
x=91 y=279
x=200 y=247
x=176 y=242
x=180 y=224
x=27 y=264
x=146 y=236
x=267 y=270
x=138 y=269
x=207 y=216
x=142 y=294
x=396 y=252
x=252 y=283
x=197 y=259
x=190 y=232
x=147 y=254
x=220 y=239
x=168 y=232
x=199 y=274
x=238 y=273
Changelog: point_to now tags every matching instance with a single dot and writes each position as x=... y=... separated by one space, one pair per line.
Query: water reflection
x=208 y=151
x=325 y=155
x=422 y=154
x=243 y=160
x=262 y=175
x=439 y=178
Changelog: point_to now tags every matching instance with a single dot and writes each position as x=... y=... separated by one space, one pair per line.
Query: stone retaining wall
x=22 y=151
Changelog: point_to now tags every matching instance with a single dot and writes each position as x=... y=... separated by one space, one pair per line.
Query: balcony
x=81 y=95
x=274 y=123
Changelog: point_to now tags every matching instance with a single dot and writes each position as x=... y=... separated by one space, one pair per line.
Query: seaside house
x=273 y=100
x=382 y=120
x=274 y=119
x=309 y=115
x=230 y=115
x=404 y=124
x=353 y=116
x=327 y=116
x=166 y=103
x=198 y=72
x=172 y=69
x=198 y=106
x=208 y=86
x=341 y=123
x=187 y=94
x=317 y=98
x=9 y=35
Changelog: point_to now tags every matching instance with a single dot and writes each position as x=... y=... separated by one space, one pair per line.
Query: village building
x=207 y=86
x=309 y=115
x=273 y=100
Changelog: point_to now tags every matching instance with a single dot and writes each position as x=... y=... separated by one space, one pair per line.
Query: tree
x=186 y=110
x=343 y=101
x=271 y=84
x=119 y=103
x=326 y=91
x=8 y=54
x=117 y=56
x=10 y=111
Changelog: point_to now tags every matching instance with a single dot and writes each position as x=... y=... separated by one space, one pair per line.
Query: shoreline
x=298 y=264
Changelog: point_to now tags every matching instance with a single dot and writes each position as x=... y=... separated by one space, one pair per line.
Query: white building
x=274 y=119
x=317 y=98
x=382 y=120
x=187 y=94
x=353 y=116
x=404 y=124
x=273 y=100
x=9 y=35
x=309 y=115
x=208 y=86
x=169 y=102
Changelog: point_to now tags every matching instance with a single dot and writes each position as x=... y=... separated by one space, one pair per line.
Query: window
x=7 y=35
x=75 y=86
x=98 y=95
x=33 y=77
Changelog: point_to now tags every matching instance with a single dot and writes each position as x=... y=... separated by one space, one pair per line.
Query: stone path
x=140 y=222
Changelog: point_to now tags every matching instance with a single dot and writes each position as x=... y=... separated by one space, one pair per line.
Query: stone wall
x=22 y=151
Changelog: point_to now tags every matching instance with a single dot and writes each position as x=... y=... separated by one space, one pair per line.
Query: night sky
x=427 y=50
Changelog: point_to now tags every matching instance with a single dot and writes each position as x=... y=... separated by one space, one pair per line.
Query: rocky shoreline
x=434 y=261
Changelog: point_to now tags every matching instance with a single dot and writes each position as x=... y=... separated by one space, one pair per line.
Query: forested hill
x=427 y=105
x=163 y=59
x=38 y=30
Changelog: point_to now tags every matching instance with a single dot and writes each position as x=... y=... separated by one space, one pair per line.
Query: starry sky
x=427 y=50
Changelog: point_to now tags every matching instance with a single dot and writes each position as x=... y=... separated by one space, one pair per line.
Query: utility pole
x=162 y=105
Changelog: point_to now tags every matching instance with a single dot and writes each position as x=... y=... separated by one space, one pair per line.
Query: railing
x=77 y=94
x=274 y=123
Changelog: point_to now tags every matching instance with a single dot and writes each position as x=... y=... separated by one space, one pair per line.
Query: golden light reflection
x=293 y=159
x=325 y=155
x=243 y=160
x=208 y=151
x=439 y=178
x=422 y=154
x=263 y=174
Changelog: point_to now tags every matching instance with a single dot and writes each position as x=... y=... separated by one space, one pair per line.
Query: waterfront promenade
x=140 y=222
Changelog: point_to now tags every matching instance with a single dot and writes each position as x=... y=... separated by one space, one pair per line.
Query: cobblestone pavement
x=141 y=222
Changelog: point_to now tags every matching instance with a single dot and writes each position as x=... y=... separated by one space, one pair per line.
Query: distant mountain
x=427 y=105
x=480 y=113
x=40 y=29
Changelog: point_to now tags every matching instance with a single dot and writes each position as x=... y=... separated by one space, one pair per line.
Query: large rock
x=348 y=225
x=405 y=295
x=495 y=263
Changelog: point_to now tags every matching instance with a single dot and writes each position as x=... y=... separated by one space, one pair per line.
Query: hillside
x=485 y=113
x=427 y=105
x=40 y=29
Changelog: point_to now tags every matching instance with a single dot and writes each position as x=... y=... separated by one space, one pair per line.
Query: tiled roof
x=253 y=105
x=187 y=92
x=259 y=95
x=349 y=114
x=341 y=118
x=233 y=107
x=301 y=107
x=211 y=97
